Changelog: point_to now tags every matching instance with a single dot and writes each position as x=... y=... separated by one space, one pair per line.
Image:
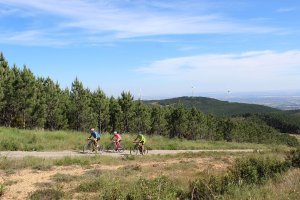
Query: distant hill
x=214 y=106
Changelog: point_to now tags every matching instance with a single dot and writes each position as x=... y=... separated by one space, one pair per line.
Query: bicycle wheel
x=100 y=148
x=111 y=148
x=121 y=149
x=139 y=150
x=145 y=150
x=87 y=148
x=133 y=151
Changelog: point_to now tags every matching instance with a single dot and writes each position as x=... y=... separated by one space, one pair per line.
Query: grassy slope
x=29 y=140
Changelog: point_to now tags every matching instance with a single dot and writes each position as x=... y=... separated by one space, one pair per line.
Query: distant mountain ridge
x=214 y=106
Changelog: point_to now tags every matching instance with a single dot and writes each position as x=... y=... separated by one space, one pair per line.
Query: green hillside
x=214 y=106
x=284 y=121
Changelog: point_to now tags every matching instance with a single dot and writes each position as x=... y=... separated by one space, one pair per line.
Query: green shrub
x=64 y=178
x=158 y=188
x=1 y=189
x=72 y=161
x=207 y=187
x=114 y=193
x=293 y=157
x=9 y=144
x=255 y=170
x=47 y=194
x=245 y=172
x=92 y=185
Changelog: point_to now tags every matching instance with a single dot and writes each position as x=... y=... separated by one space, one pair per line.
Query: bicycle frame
x=113 y=147
x=138 y=148
x=90 y=146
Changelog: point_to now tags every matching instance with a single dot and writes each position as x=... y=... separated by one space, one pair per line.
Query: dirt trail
x=57 y=154
x=25 y=181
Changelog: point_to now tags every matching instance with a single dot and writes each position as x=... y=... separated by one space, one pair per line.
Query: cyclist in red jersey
x=117 y=139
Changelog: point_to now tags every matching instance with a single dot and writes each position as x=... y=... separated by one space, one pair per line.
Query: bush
x=47 y=194
x=246 y=171
x=158 y=188
x=91 y=185
x=293 y=158
x=207 y=188
x=1 y=189
x=255 y=170
x=67 y=160
x=10 y=145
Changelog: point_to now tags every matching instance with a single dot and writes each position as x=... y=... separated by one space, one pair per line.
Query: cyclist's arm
x=136 y=138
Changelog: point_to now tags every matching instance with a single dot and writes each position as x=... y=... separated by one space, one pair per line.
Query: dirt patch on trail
x=26 y=181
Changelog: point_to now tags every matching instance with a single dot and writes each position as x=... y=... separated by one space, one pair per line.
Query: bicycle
x=112 y=147
x=137 y=148
x=90 y=147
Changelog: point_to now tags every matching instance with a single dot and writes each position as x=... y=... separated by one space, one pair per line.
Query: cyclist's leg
x=119 y=144
x=140 y=147
x=90 y=144
x=97 y=142
x=143 y=148
x=94 y=144
x=116 y=145
x=136 y=146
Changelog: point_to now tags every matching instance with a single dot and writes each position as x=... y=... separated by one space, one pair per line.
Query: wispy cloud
x=115 y=20
x=256 y=69
x=282 y=10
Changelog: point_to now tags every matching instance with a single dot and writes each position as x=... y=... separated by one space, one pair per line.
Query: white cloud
x=252 y=70
x=282 y=10
x=130 y=20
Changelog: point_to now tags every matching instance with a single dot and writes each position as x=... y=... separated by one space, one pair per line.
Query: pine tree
x=115 y=114
x=54 y=104
x=21 y=95
x=177 y=121
x=38 y=114
x=81 y=116
x=101 y=109
x=158 y=120
x=8 y=110
x=126 y=103
x=3 y=71
x=193 y=124
x=27 y=92
x=141 y=117
x=211 y=126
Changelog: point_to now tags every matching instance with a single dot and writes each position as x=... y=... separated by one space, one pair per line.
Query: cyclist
x=141 y=140
x=95 y=137
x=117 y=139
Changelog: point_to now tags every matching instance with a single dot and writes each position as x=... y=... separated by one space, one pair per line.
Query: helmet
x=115 y=132
x=92 y=129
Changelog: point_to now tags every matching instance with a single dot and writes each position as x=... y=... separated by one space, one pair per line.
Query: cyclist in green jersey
x=141 y=140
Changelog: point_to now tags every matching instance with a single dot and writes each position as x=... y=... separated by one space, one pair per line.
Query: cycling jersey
x=117 y=137
x=95 y=134
x=141 y=138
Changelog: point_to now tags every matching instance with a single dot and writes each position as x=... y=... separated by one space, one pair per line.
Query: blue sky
x=157 y=48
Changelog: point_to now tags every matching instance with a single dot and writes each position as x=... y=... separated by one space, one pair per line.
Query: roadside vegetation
x=261 y=175
x=13 y=139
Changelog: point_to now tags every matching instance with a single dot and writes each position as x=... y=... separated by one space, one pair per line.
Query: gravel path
x=58 y=154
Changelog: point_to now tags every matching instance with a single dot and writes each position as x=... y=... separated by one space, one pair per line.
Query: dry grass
x=71 y=179
x=288 y=187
